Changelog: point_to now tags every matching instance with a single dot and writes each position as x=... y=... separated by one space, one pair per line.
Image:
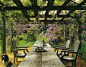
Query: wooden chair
x=74 y=54
x=16 y=52
x=66 y=47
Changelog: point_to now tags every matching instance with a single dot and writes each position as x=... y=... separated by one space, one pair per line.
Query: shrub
x=23 y=37
x=82 y=51
x=20 y=38
x=30 y=37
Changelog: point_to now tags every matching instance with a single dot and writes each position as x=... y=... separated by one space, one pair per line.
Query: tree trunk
x=3 y=34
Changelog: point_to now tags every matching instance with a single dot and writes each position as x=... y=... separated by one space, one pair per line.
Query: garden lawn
x=25 y=43
x=21 y=43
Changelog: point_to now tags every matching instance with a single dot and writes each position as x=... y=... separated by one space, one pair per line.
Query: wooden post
x=17 y=34
x=77 y=31
x=64 y=34
x=11 y=36
x=70 y=33
x=3 y=34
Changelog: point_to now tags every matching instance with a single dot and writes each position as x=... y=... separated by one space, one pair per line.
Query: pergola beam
x=52 y=21
x=49 y=16
x=18 y=3
x=73 y=8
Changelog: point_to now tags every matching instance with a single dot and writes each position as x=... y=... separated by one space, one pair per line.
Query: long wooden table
x=41 y=59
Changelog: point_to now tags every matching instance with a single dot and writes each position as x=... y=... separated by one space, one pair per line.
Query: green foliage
x=83 y=17
x=0 y=49
x=82 y=52
x=30 y=36
x=22 y=42
x=8 y=50
x=71 y=3
x=31 y=43
x=83 y=37
x=59 y=2
x=23 y=37
x=30 y=12
x=8 y=40
x=26 y=2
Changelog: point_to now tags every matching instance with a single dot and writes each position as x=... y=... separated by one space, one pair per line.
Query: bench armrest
x=68 y=51
x=71 y=50
x=23 y=47
x=18 y=49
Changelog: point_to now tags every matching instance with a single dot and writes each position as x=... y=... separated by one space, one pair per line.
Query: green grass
x=25 y=43
x=0 y=46
x=0 y=50
x=21 y=43
x=8 y=49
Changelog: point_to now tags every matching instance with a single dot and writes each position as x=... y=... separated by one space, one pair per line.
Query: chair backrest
x=76 y=48
x=67 y=44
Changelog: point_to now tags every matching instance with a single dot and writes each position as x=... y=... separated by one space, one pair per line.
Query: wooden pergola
x=50 y=6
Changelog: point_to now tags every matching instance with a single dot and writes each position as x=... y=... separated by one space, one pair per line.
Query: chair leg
x=17 y=59
x=57 y=53
x=75 y=63
x=14 y=60
x=72 y=64
x=55 y=50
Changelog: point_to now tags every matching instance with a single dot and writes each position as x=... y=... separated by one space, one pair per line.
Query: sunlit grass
x=25 y=43
x=0 y=50
x=21 y=43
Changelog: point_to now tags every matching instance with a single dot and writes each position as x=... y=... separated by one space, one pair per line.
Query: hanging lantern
x=34 y=2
